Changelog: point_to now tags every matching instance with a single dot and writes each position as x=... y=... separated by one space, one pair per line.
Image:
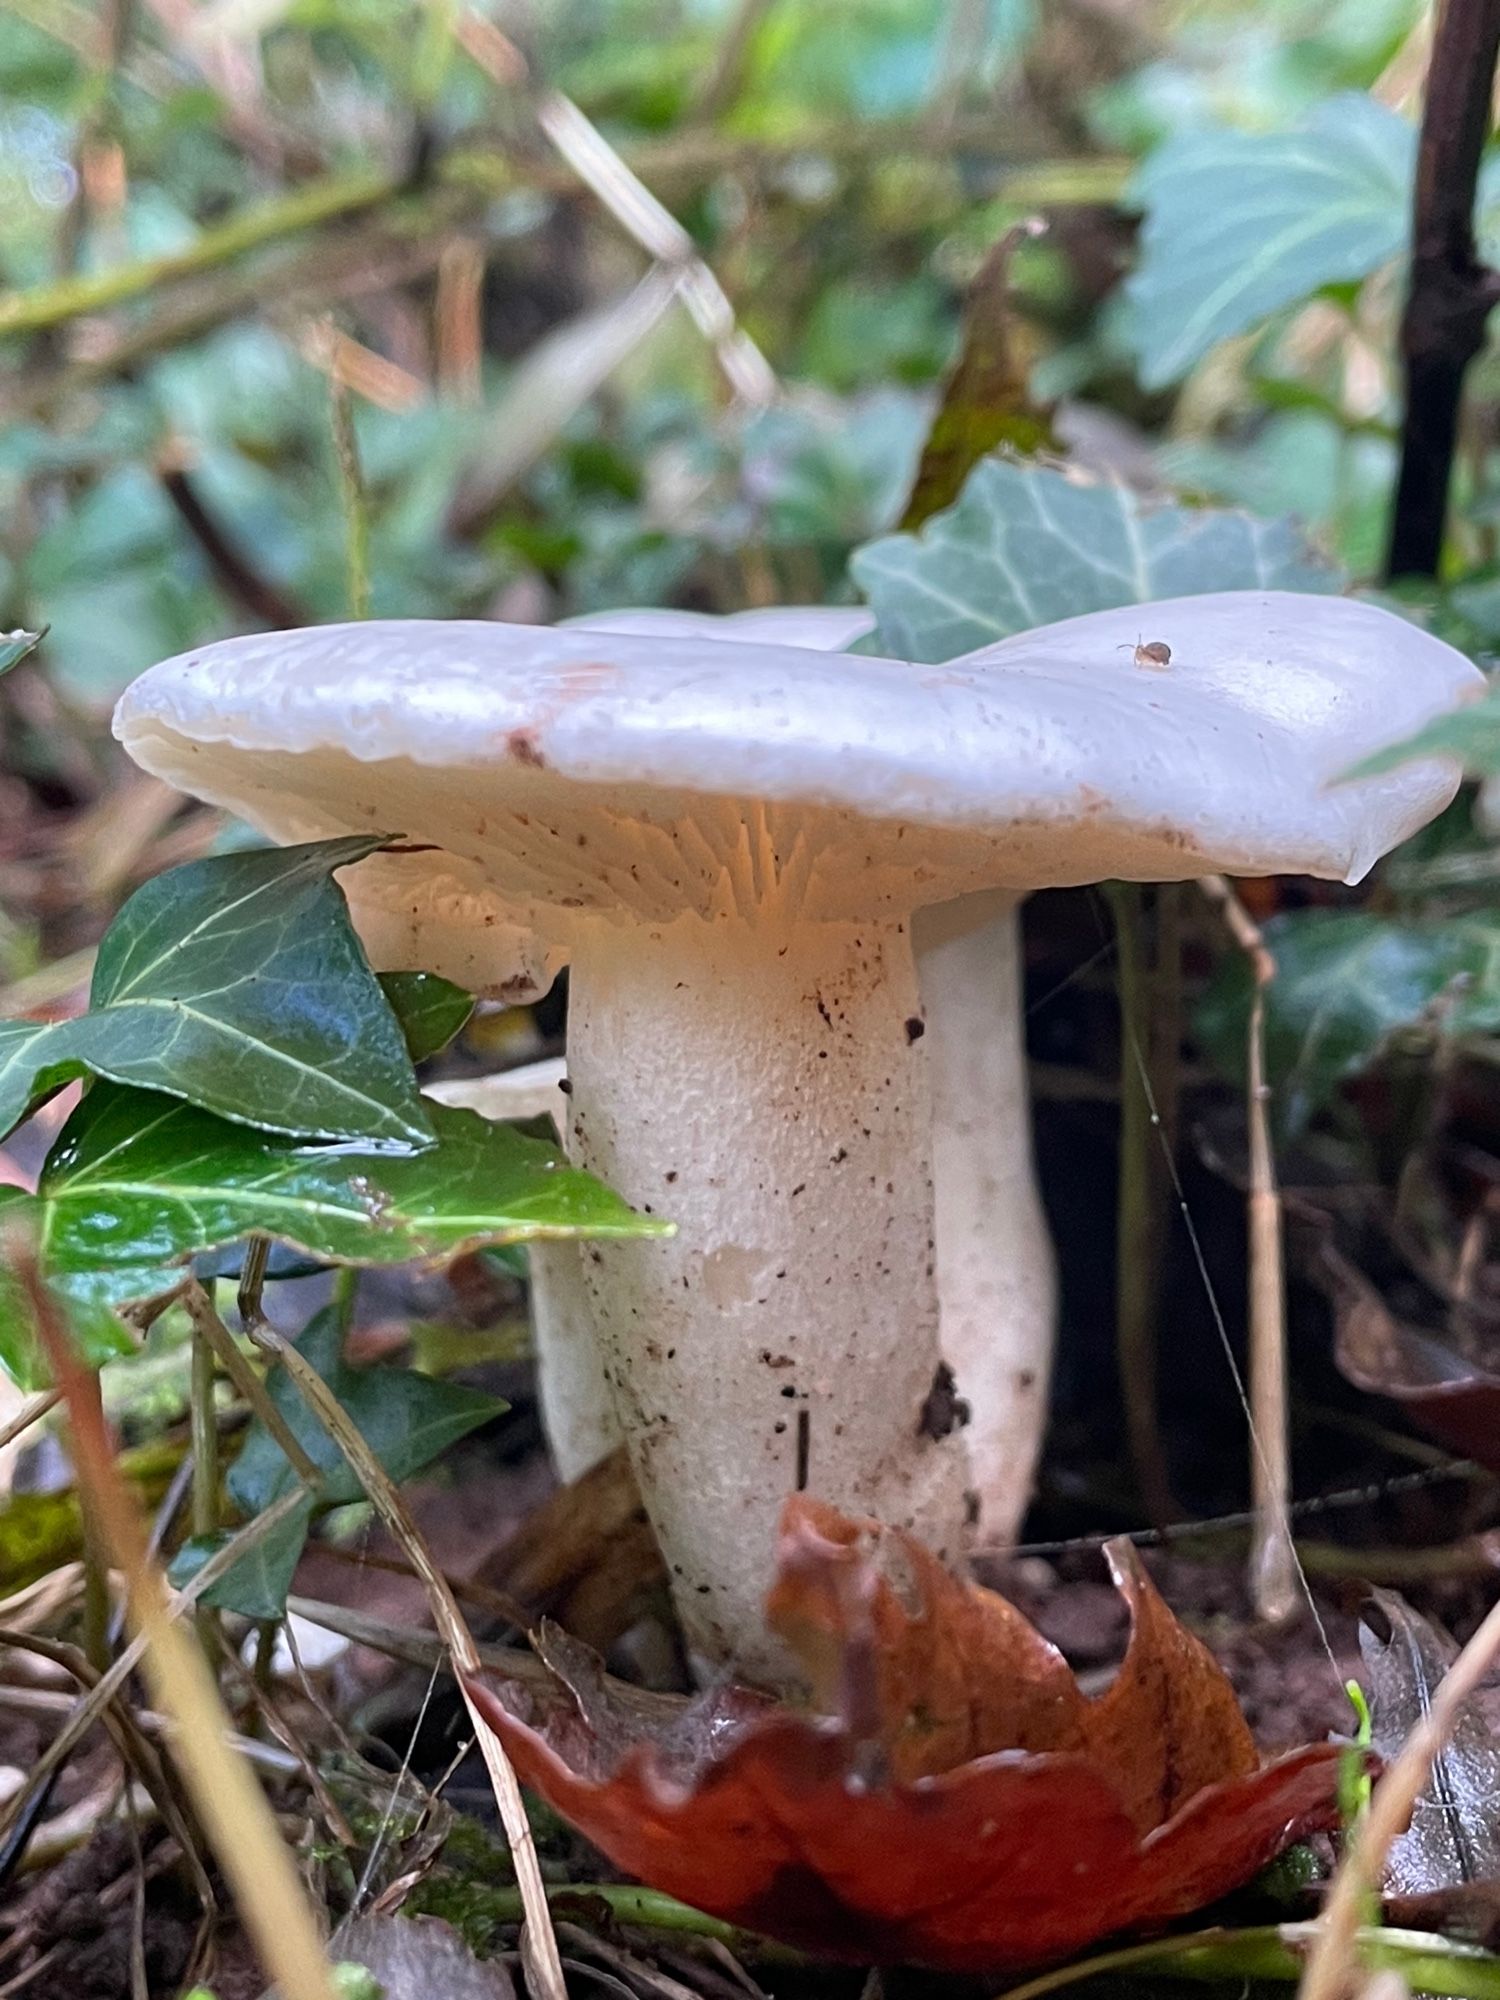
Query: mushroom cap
x=823 y=628
x=561 y=771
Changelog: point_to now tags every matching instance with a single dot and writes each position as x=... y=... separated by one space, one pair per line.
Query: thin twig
x=205 y=1476
x=252 y=1286
x=459 y=320
x=226 y=1797
x=129 y=1739
x=1273 y=1563
x=208 y=1326
x=725 y=74
x=466 y=180
x=31 y=1412
x=1451 y=293
x=352 y=501
x=87 y=1711
x=231 y=567
x=255 y=228
x=546 y=1963
x=622 y=191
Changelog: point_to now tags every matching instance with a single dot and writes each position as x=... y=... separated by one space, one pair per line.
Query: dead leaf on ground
x=1453 y=1398
x=1453 y=1838
x=953 y=1799
x=586 y=1556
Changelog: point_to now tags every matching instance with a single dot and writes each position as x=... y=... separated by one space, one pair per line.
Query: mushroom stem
x=578 y=1412
x=995 y=1268
x=764 y=1082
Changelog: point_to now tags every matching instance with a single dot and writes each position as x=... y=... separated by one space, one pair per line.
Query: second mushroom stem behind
x=997 y=1292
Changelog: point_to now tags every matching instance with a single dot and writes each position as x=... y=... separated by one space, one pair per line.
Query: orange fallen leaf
x=954 y=1800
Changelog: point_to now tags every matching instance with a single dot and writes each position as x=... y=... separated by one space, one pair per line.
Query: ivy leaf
x=1346 y=982
x=431 y=1011
x=14 y=647
x=136 y=1183
x=237 y=982
x=1240 y=224
x=97 y=1331
x=256 y=1585
x=407 y=1419
x=1024 y=546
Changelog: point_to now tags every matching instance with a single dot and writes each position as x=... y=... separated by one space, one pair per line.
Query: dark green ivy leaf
x=136 y=1183
x=431 y=1011
x=256 y=1585
x=237 y=982
x=1346 y=982
x=407 y=1419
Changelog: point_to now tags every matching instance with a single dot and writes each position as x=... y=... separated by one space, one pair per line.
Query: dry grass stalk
x=226 y=1796
x=580 y=143
x=459 y=320
x=539 y=1946
x=31 y=1412
x=88 y=1711
x=1274 y=1583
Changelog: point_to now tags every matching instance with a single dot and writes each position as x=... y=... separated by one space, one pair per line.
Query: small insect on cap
x=546 y=774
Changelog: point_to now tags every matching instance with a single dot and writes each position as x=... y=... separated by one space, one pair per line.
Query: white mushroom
x=996 y=1275
x=727 y=843
x=578 y=1411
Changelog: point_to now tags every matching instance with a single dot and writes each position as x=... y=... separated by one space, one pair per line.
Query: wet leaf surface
x=138 y=1182
x=431 y=1010
x=237 y=983
x=952 y=1799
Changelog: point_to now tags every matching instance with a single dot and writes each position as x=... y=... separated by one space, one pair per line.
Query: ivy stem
x=1428 y=1963
x=650 y=1910
x=253 y=1282
x=203 y=1422
x=1138 y=1208
x=1451 y=292
x=352 y=497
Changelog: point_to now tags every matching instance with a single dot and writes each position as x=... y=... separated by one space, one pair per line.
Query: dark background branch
x=231 y=569
x=1451 y=291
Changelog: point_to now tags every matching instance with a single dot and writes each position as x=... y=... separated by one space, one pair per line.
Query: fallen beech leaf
x=955 y=1801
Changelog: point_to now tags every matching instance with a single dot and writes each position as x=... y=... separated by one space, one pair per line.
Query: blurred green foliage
x=1210 y=317
x=842 y=168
